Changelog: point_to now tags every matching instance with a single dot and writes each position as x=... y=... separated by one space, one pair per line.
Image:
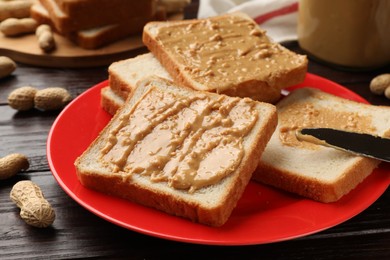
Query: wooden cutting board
x=25 y=49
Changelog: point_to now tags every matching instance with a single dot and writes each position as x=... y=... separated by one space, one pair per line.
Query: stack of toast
x=231 y=56
x=94 y=23
x=194 y=122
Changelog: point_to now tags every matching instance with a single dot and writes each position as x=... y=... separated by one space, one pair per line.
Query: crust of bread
x=267 y=89
x=308 y=172
x=311 y=187
x=109 y=101
x=194 y=206
x=98 y=37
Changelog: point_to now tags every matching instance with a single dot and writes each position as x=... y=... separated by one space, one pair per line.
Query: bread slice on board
x=106 y=8
x=226 y=54
x=93 y=38
x=187 y=153
x=39 y=13
x=91 y=14
x=317 y=172
x=99 y=36
x=124 y=74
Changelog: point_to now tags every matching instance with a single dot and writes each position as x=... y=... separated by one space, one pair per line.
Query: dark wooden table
x=77 y=233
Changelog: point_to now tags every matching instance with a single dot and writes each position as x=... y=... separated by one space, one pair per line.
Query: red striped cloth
x=292 y=8
x=277 y=17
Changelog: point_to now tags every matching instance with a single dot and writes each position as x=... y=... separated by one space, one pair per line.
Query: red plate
x=263 y=214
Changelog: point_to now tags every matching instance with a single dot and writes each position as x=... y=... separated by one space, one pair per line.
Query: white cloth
x=277 y=17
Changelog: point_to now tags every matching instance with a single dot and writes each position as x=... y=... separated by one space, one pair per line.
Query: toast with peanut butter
x=226 y=54
x=320 y=173
x=187 y=153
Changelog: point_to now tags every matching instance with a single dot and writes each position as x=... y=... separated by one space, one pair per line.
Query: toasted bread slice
x=97 y=37
x=124 y=74
x=110 y=101
x=103 y=35
x=164 y=149
x=320 y=173
x=39 y=13
x=83 y=15
x=226 y=54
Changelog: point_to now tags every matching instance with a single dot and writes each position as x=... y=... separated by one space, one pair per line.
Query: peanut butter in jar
x=352 y=34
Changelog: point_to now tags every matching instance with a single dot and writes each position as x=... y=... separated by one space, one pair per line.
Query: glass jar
x=351 y=34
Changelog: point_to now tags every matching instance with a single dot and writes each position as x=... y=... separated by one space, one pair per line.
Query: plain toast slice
x=124 y=74
x=87 y=14
x=320 y=173
x=184 y=152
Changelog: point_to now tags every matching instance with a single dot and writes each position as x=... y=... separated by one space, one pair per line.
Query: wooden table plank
x=78 y=233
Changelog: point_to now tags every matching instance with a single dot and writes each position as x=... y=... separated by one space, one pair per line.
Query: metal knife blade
x=357 y=143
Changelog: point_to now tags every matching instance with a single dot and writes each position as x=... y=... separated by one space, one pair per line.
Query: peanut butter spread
x=304 y=114
x=222 y=53
x=188 y=142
